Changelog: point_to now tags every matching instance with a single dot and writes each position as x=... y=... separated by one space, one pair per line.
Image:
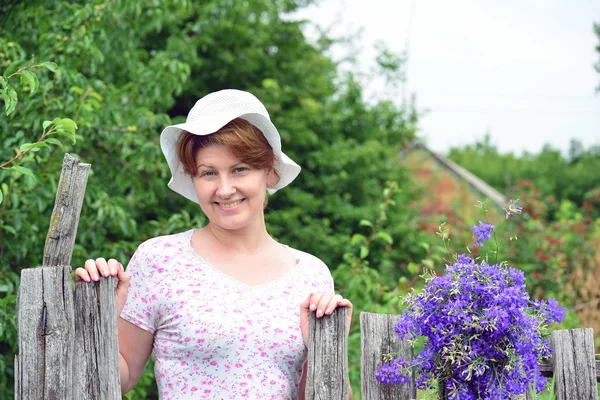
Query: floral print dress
x=216 y=337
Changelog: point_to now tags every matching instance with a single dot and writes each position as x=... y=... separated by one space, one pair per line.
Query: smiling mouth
x=230 y=205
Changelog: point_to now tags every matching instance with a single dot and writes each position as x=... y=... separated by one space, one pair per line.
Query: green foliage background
x=127 y=68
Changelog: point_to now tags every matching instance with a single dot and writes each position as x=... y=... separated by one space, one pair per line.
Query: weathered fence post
x=327 y=376
x=377 y=337
x=574 y=364
x=53 y=359
x=97 y=370
x=45 y=320
x=44 y=365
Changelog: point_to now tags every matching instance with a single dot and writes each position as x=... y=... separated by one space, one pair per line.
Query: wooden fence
x=573 y=364
x=68 y=346
x=67 y=343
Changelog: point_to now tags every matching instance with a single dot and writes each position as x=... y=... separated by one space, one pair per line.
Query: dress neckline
x=187 y=246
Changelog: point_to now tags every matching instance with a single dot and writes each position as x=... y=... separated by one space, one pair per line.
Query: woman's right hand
x=95 y=270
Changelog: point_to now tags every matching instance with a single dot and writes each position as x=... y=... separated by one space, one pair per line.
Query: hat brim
x=183 y=184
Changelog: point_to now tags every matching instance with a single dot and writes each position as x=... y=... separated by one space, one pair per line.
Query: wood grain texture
x=377 y=338
x=547 y=368
x=327 y=376
x=65 y=216
x=574 y=364
x=96 y=343
x=45 y=322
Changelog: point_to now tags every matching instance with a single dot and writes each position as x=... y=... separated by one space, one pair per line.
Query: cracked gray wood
x=67 y=208
x=327 y=376
x=45 y=322
x=66 y=352
x=96 y=344
x=377 y=337
x=574 y=364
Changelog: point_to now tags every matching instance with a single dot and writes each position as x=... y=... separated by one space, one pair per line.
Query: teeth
x=230 y=205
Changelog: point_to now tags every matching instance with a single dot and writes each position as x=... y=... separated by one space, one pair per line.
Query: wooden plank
x=45 y=322
x=97 y=361
x=575 y=366
x=30 y=360
x=377 y=338
x=547 y=368
x=65 y=216
x=327 y=376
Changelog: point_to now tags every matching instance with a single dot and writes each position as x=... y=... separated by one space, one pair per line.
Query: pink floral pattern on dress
x=215 y=337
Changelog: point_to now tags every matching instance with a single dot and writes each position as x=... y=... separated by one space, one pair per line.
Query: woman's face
x=230 y=192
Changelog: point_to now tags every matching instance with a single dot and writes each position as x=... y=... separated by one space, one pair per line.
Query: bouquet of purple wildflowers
x=483 y=334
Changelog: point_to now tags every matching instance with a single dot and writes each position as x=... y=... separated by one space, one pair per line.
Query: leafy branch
x=9 y=93
x=58 y=126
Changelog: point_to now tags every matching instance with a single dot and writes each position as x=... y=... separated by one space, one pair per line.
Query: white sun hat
x=210 y=114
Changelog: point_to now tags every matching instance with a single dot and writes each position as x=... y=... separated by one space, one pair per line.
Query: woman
x=225 y=308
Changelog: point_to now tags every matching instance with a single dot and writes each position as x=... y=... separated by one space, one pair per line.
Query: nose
x=226 y=189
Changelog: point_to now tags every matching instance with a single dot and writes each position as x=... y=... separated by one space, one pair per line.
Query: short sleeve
x=327 y=284
x=139 y=308
x=317 y=276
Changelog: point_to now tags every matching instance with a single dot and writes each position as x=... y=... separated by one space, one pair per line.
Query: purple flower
x=483 y=333
x=391 y=372
x=482 y=232
x=484 y=336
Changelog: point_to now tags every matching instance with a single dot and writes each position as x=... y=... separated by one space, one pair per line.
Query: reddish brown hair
x=243 y=139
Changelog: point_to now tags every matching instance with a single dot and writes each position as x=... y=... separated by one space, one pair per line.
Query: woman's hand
x=322 y=304
x=95 y=269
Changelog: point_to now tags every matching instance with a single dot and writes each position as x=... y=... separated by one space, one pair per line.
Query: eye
x=207 y=173
x=240 y=169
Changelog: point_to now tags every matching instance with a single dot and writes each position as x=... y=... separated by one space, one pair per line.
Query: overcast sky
x=521 y=70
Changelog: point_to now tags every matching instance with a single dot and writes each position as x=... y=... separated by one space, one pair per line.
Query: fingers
x=81 y=275
x=100 y=267
x=325 y=303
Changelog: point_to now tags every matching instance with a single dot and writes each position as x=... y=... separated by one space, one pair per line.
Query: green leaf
x=66 y=125
x=55 y=141
x=385 y=237
x=428 y=262
x=10 y=99
x=1 y=196
x=424 y=245
x=46 y=124
x=77 y=90
x=356 y=238
x=365 y=222
x=23 y=170
x=26 y=146
x=49 y=65
x=3 y=81
x=9 y=228
x=364 y=252
x=31 y=79
x=97 y=96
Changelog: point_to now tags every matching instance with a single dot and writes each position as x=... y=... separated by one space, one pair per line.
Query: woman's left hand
x=322 y=304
